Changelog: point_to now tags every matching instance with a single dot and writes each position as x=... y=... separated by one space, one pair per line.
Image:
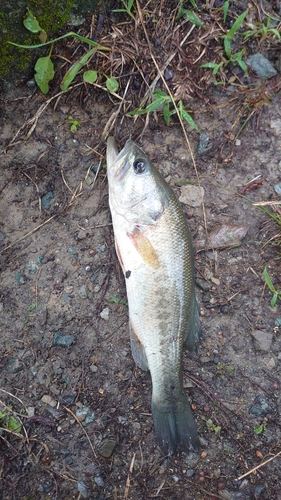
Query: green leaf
x=243 y=66
x=274 y=299
x=90 y=76
x=70 y=33
x=194 y=4
x=160 y=93
x=236 y=25
x=186 y=116
x=30 y=22
x=217 y=429
x=74 y=70
x=166 y=113
x=44 y=72
x=268 y=281
x=259 y=429
x=225 y=8
x=155 y=104
x=275 y=32
x=13 y=424
x=210 y=65
x=227 y=47
x=209 y=423
x=193 y=18
x=111 y=84
x=31 y=307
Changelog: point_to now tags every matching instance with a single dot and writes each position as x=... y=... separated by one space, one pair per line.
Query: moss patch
x=52 y=15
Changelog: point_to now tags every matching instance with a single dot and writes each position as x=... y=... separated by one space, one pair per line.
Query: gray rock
x=82 y=292
x=262 y=340
x=275 y=123
x=261 y=407
x=46 y=200
x=192 y=195
x=261 y=65
x=13 y=365
x=107 y=448
x=63 y=340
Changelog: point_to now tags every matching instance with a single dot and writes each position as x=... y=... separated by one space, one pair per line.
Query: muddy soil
x=66 y=370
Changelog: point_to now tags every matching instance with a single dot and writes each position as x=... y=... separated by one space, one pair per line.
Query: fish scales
x=154 y=247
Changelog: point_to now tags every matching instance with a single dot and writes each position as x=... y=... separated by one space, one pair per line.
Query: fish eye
x=139 y=166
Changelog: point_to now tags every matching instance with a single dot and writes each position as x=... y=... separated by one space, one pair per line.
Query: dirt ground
x=66 y=370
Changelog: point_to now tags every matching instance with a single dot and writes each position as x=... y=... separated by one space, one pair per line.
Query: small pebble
x=48 y=400
x=93 y=368
x=71 y=250
x=105 y=314
x=82 y=292
x=46 y=200
x=224 y=309
x=63 y=340
x=99 y=481
x=189 y=473
x=107 y=448
x=68 y=399
x=277 y=188
x=81 y=487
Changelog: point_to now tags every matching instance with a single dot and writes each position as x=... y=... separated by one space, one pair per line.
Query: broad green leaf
x=155 y=104
x=111 y=84
x=236 y=25
x=160 y=93
x=186 y=116
x=193 y=18
x=275 y=32
x=13 y=424
x=31 y=23
x=90 y=76
x=44 y=72
x=74 y=70
x=259 y=429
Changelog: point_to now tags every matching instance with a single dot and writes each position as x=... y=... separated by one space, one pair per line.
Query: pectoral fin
x=144 y=247
x=138 y=351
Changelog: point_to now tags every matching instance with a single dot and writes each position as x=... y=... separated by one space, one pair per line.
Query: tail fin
x=175 y=429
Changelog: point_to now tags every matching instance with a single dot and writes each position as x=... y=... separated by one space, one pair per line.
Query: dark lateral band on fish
x=154 y=247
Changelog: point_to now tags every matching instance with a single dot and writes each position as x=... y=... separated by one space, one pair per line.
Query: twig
x=27 y=234
x=86 y=434
x=258 y=467
x=127 y=487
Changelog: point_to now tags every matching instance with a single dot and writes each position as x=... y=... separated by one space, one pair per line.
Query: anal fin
x=138 y=351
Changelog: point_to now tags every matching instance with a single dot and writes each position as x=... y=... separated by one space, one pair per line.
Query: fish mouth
x=124 y=159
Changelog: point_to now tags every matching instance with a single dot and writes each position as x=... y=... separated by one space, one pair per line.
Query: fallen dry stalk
x=258 y=467
x=27 y=234
x=86 y=434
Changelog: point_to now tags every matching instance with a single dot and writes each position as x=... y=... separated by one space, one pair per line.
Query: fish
x=154 y=248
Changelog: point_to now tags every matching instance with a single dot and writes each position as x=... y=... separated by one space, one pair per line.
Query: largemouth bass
x=154 y=248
